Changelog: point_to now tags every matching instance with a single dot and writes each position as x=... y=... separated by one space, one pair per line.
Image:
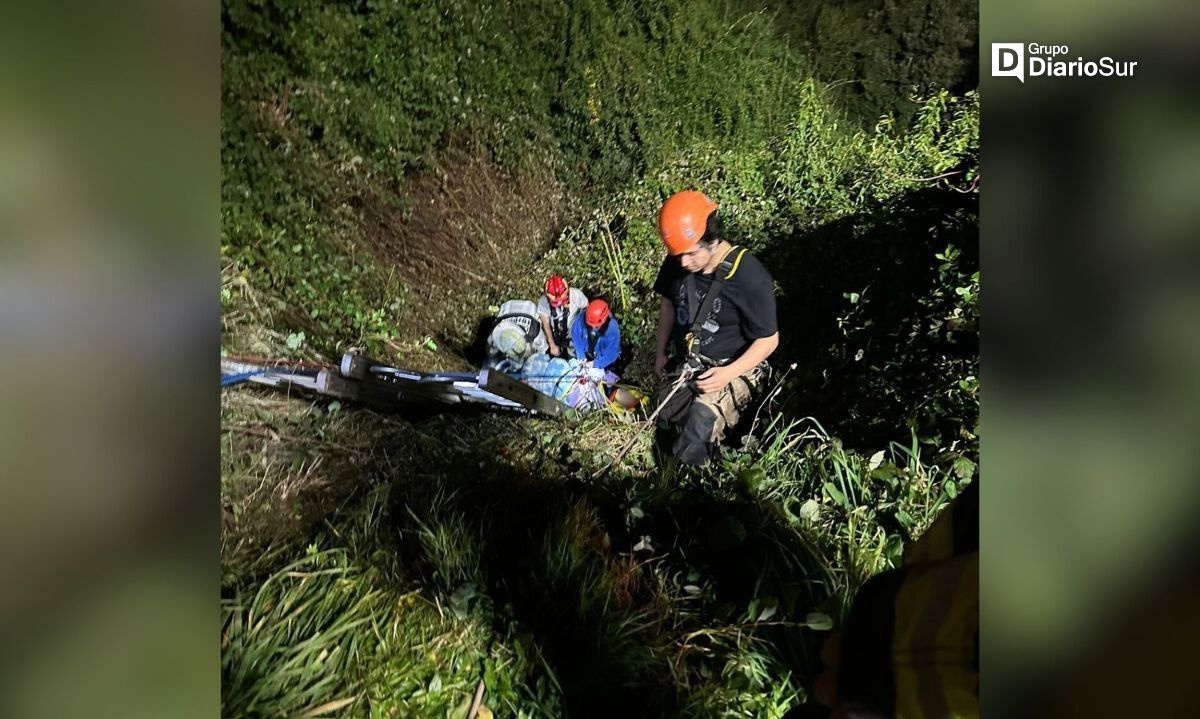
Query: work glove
x=595 y=374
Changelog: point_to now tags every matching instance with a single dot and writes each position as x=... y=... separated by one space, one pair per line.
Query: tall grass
x=683 y=592
x=332 y=635
x=292 y=649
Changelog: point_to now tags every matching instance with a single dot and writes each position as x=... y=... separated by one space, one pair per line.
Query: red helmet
x=597 y=313
x=557 y=291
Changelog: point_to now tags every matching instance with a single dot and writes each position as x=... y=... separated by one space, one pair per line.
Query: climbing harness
x=700 y=321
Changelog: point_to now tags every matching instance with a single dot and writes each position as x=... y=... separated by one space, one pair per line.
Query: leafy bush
x=868 y=53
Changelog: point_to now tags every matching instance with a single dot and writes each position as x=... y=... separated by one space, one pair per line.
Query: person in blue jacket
x=596 y=336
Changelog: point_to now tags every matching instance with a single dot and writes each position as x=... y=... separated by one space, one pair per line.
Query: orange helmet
x=597 y=313
x=557 y=291
x=682 y=220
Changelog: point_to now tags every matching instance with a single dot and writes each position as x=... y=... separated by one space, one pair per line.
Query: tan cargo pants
x=703 y=419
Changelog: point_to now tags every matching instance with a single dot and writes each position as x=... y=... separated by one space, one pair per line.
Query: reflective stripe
x=936 y=620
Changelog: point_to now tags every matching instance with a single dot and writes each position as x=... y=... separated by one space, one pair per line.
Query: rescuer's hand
x=714 y=379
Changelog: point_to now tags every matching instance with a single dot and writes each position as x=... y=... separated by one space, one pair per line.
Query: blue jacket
x=608 y=345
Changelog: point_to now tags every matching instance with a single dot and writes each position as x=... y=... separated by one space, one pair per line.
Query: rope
x=684 y=376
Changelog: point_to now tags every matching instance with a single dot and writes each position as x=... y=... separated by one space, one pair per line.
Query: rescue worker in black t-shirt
x=720 y=344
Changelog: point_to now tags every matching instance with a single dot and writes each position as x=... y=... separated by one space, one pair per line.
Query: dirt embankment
x=466 y=239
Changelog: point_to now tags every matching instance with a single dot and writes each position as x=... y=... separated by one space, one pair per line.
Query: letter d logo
x=1008 y=60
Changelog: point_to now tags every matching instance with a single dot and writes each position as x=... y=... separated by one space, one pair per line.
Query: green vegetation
x=392 y=169
x=680 y=592
x=869 y=53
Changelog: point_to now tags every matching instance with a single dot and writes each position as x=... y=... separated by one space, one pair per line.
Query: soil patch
x=466 y=237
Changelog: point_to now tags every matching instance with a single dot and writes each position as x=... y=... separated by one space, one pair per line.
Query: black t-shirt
x=742 y=313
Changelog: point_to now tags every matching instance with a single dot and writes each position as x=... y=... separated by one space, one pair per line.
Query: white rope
x=684 y=376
